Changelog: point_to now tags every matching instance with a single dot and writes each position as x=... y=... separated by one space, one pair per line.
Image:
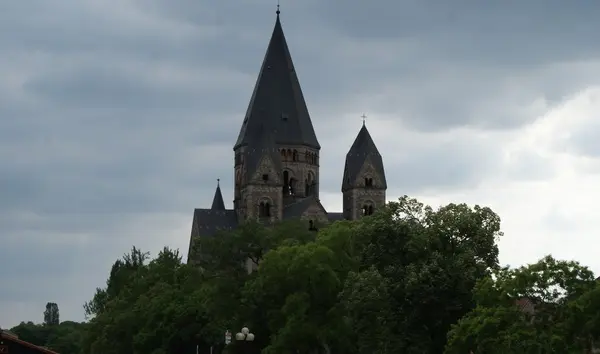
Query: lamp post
x=245 y=337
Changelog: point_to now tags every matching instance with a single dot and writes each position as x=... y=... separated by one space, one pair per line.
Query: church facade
x=276 y=159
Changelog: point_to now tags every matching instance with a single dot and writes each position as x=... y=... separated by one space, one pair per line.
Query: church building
x=276 y=159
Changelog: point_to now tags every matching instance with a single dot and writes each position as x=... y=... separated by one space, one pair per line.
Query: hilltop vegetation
x=409 y=279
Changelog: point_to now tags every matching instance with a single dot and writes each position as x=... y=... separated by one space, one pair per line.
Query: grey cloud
x=584 y=140
x=513 y=33
x=530 y=166
x=444 y=166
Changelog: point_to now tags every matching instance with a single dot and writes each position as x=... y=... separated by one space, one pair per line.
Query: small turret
x=364 y=183
x=218 y=204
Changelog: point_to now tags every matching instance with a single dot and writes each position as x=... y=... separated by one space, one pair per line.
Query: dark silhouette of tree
x=51 y=315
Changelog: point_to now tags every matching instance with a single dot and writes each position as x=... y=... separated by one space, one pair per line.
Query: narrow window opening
x=264 y=210
x=312 y=226
x=265 y=177
x=287 y=183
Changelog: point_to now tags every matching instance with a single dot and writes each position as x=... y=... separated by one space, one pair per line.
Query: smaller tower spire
x=218 y=203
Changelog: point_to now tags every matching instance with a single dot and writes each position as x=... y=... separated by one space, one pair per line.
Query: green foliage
x=160 y=306
x=366 y=302
x=120 y=275
x=430 y=260
x=539 y=308
x=51 y=314
x=32 y=333
x=408 y=279
x=64 y=338
x=296 y=288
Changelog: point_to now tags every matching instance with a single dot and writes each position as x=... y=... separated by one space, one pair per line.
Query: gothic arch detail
x=264 y=208
x=367 y=208
x=310 y=184
x=289 y=183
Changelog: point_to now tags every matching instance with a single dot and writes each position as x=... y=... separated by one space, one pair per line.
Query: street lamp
x=245 y=337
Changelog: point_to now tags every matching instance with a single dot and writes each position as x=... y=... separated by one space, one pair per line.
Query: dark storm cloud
x=448 y=53
x=116 y=117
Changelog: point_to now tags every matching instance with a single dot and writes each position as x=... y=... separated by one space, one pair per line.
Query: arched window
x=310 y=184
x=283 y=155
x=295 y=155
x=307 y=157
x=264 y=210
x=286 y=177
x=312 y=226
x=367 y=209
x=368 y=182
x=288 y=188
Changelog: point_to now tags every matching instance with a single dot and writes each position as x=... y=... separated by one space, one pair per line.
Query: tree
x=391 y=282
x=120 y=274
x=429 y=261
x=64 y=338
x=296 y=290
x=583 y=323
x=51 y=314
x=526 y=310
x=32 y=333
x=366 y=302
x=163 y=307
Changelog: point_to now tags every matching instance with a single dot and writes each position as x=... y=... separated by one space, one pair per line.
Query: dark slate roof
x=335 y=216
x=218 y=203
x=277 y=100
x=263 y=144
x=362 y=149
x=210 y=221
x=295 y=209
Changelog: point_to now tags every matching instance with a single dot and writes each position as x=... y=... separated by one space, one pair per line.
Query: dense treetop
x=408 y=279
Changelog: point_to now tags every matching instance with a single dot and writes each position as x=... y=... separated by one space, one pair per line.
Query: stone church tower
x=276 y=159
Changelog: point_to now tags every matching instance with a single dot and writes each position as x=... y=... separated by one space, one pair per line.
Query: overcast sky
x=118 y=116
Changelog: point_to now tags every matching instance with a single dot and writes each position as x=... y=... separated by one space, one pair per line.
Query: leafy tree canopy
x=539 y=308
x=408 y=279
x=64 y=338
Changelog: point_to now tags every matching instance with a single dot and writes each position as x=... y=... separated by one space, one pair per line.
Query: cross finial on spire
x=364 y=117
x=218 y=181
x=277 y=12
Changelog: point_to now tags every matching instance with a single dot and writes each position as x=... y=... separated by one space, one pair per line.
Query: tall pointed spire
x=218 y=203
x=363 y=149
x=277 y=102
